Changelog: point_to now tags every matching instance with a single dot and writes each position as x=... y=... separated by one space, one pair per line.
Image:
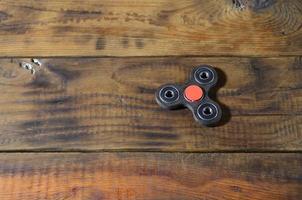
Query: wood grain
x=150 y=28
x=108 y=104
x=127 y=176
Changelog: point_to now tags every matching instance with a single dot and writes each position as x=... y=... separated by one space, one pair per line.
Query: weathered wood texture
x=128 y=176
x=147 y=27
x=108 y=103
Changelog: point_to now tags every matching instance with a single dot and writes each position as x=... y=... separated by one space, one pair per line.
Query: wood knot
x=255 y=5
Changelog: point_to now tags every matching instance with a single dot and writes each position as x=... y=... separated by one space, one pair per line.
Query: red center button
x=193 y=93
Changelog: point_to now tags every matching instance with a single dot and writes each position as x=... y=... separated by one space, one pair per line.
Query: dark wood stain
x=100 y=43
x=41 y=80
x=76 y=13
x=52 y=76
x=14 y=28
x=67 y=131
x=258 y=71
x=32 y=124
x=79 y=15
x=125 y=42
x=297 y=65
x=3 y=16
x=59 y=30
x=155 y=135
x=139 y=43
x=47 y=122
x=65 y=74
x=154 y=144
x=66 y=137
x=58 y=110
x=58 y=100
x=162 y=19
x=144 y=90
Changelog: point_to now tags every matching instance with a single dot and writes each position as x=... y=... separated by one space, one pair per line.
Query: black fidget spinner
x=194 y=95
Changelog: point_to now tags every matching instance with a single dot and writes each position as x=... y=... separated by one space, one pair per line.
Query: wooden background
x=86 y=126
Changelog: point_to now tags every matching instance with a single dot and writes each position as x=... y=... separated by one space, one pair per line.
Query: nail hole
x=207 y=111
x=204 y=75
x=169 y=94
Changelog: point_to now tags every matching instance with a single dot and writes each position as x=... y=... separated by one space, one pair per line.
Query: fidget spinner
x=194 y=95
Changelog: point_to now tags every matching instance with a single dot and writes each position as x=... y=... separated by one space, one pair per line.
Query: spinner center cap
x=193 y=93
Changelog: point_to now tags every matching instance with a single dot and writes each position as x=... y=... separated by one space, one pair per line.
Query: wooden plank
x=128 y=176
x=108 y=103
x=146 y=27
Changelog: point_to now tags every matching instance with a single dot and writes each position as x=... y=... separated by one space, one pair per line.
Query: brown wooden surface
x=150 y=176
x=92 y=103
x=149 y=28
x=108 y=103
